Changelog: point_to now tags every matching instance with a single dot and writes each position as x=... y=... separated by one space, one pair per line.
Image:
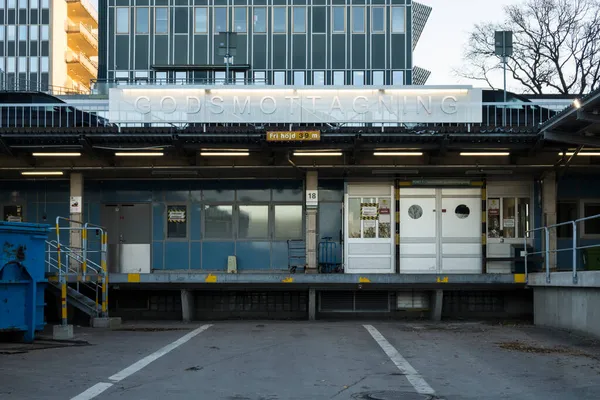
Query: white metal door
x=368 y=231
x=418 y=231
x=440 y=230
x=461 y=231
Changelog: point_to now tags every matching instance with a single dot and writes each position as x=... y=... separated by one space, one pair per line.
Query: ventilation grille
x=464 y=302
x=242 y=301
x=344 y=301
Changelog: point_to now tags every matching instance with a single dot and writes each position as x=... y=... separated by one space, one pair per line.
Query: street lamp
x=504 y=48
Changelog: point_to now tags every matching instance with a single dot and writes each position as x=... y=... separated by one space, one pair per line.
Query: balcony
x=80 y=67
x=82 y=11
x=81 y=37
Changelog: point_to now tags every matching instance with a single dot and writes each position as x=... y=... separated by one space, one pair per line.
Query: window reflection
x=288 y=222
x=253 y=222
x=354 y=218
x=218 y=222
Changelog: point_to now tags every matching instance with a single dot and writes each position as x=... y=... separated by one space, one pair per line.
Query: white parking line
x=415 y=379
x=93 y=391
x=135 y=367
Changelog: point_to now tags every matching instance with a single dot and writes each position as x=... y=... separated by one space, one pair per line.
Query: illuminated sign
x=296 y=136
x=288 y=104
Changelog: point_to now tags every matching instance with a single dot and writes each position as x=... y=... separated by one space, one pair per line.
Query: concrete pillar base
x=312 y=305
x=111 y=323
x=187 y=305
x=60 y=332
x=437 y=298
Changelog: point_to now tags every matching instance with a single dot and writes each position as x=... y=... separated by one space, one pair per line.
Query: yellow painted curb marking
x=289 y=279
x=210 y=278
x=364 y=280
x=442 y=279
x=519 y=278
x=135 y=278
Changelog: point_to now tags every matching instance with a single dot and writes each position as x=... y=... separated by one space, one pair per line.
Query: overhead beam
x=582 y=115
x=4 y=148
x=572 y=138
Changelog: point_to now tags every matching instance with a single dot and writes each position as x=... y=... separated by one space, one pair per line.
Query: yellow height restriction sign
x=293 y=136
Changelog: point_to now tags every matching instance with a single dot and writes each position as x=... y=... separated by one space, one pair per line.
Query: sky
x=441 y=46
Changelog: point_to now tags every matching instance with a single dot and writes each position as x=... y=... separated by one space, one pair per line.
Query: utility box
x=22 y=277
x=231 y=265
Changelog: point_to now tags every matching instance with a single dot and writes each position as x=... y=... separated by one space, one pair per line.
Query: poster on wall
x=369 y=211
x=75 y=204
x=176 y=215
x=384 y=211
x=493 y=223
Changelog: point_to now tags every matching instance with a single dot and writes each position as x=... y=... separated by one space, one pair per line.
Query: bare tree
x=556 y=46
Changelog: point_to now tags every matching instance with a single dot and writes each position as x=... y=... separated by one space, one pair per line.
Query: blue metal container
x=22 y=277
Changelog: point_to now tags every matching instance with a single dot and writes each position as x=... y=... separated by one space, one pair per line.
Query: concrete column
x=437 y=299
x=549 y=212
x=312 y=304
x=75 y=239
x=187 y=305
x=312 y=183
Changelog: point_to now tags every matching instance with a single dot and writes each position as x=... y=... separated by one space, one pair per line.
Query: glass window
x=122 y=19
x=253 y=222
x=279 y=78
x=1 y=31
x=218 y=222
x=22 y=64
x=176 y=221
x=566 y=211
x=44 y=64
x=358 y=19
x=508 y=217
x=23 y=32
x=220 y=19
x=299 y=78
x=10 y=64
x=33 y=4
x=45 y=4
x=339 y=19
x=219 y=77
x=338 y=78
x=201 y=20
x=592 y=226
x=45 y=32
x=378 y=78
x=2 y=5
x=397 y=19
x=1 y=61
x=299 y=15
x=12 y=32
x=239 y=19
x=12 y=4
x=523 y=216
x=33 y=32
x=279 y=20
x=358 y=78
x=161 y=20
x=378 y=19
x=161 y=77
x=142 y=25
x=260 y=78
x=354 y=217
x=240 y=78
x=180 y=77
x=260 y=20
x=319 y=78
x=288 y=222
x=398 y=78
x=23 y=4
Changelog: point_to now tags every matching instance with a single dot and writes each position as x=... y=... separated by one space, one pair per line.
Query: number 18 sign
x=312 y=198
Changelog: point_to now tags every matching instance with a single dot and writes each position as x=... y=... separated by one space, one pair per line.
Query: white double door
x=440 y=230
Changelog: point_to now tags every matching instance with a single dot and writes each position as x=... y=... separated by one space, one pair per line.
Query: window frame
x=277 y=73
x=215 y=18
x=393 y=77
x=354 y=75
x=516 y=198
x=303 y=83
x=581 y=228
x=263 y=79
x=364 y=19
x=382 y=77
x=137 y=10
x=22 y=33
x=235 y=11
x=559 y=230
x=205 y=205
x=270 y=220
x=304 y=24
x=156 y=32
x=117 y=31
x=392 y=9
x=314 y=77
x=333 y=75
x=383 y=8
x=333 y=29
x=187 y=222
x=265 y=18
x=196 y=30
x=285 y=11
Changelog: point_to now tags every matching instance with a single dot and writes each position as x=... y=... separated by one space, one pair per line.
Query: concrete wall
x=573 y=308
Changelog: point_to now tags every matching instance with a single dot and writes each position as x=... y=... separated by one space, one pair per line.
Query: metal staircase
x=78 y=280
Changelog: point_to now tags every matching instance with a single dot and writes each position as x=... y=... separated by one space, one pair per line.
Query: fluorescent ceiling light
x=485 y=154
x=221 y=150
x=398 y=153
x=42 y=173
x=224 y=153
x=583 y=153
x=318 y=153
x=139 y=154
x=56 y=154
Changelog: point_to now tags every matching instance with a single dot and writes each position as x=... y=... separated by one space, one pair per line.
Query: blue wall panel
x=177 y=255
x=157 y=255
x=158 y=219
x=214 y=255
x=195 y=228
x=253 y=256
x=195 y=255
x=279 y=256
